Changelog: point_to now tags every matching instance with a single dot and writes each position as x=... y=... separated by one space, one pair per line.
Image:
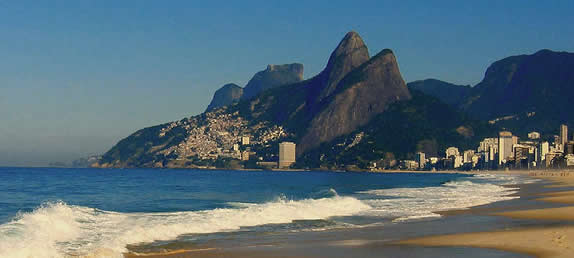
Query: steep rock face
x=537 y=89
x=346 y=95
x=448 y=93
x=273 y=76
x=226 y=95
x=294 y=105
x=349 y=54
x=405 y=128
x=359 y=96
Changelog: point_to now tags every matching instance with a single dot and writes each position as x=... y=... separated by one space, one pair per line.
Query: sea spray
x=58 y=229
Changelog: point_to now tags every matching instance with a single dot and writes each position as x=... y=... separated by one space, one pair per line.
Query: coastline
x=555 y=240
x=372 y=241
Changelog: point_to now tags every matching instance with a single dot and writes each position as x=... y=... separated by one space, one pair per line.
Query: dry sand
x=554 y=241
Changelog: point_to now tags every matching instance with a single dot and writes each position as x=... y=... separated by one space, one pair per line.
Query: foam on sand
x=415 y=203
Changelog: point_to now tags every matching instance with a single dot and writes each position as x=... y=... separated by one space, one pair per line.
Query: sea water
x=52 y=212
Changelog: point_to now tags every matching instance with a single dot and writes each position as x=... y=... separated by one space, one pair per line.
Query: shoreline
x=354 y=241
x=556 y=240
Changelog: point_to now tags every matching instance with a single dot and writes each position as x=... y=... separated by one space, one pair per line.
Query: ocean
x=54 y=212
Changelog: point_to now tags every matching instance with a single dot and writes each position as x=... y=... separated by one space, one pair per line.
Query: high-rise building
x=286 y=154
x=421 y=159
x=505 y=143
x=563 y=135
x=487 y=143
x=541 y=151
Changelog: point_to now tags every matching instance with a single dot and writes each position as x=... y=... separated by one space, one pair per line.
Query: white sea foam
x=58 y=229
x=415 y=203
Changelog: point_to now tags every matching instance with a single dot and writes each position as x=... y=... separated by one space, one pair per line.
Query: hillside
x=448 y=93
x=423 y=123
x=526 y=92
x=347 y=94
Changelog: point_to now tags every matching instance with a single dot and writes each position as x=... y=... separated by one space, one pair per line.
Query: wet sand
x=540 y=223
x=540 y=241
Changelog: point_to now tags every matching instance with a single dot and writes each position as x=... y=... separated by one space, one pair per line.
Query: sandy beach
x=543 y=241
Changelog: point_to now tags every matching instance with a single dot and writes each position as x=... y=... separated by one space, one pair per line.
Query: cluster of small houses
x=504 y=152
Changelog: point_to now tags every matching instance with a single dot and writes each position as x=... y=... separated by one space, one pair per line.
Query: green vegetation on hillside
x=423 y=123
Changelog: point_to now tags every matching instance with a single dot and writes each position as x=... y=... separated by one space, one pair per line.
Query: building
x=245 y=155
x=534 y=135
x=420 y=159
x=457 y=161
x=563 y=135
x=569 y=148
x=505 y=142
x=245 y=140
x=522 y=155
x=467 y=156
x=286 y=154
x=541 y=151
x=487 y=143
x=409 y=164
x=452 y=151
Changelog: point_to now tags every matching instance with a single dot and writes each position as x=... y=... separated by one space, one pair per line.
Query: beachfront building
x=421 y=160
x=409 y=165
x=286 y=154
x=452 y=151
x=505 y=142
x=563 y=135
x=569 y=149
x=467 y=156
x=541 y=151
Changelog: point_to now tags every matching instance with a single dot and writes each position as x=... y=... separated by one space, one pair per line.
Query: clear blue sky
x=77 y=76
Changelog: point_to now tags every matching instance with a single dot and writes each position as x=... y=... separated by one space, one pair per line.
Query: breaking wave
x=62 y=230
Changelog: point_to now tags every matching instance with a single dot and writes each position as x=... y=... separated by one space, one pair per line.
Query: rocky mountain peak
x=357 y=98
x=273 y=76
x=226 y=95
x=349 y=54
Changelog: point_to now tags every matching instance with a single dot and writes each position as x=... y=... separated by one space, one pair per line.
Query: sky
x=77 y=76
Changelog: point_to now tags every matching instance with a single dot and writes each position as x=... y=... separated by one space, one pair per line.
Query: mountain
x=351 y=92
x=358 y=97
x=273 y=76
x=448 y=93
x=526 y=92
x=344 y=96
x=422 y=123
x=226 y=95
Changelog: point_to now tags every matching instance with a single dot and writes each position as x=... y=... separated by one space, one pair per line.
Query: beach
x=195 y=213
x=540 y=241
x=540 y=223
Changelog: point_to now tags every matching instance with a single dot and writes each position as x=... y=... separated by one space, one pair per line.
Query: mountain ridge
x=366 y=98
